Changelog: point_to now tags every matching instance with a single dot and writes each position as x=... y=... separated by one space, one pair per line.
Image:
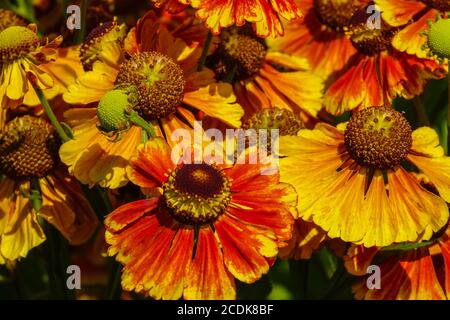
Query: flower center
x=441 y=5
x=9 y=18
x=239 y=54
x=159 y=81
x=335 y=14
x=369 y=41
x=95 y=45
x=17 y=41
x=28 y=148
x=197 y=194
x=378 y=137
x=439 y=38
x=275 y=118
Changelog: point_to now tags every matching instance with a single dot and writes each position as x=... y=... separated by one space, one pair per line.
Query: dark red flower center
x=369 y=41
x=335 y=14
x=197 y=194
x=239 y=54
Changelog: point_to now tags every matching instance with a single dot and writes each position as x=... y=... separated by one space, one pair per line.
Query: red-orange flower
x=361 y=65
x=265 y=15
x=212 y=223
x=378 y=73
x=422 y=273
x=320 y=37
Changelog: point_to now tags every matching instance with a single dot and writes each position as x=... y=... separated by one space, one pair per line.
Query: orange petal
x=358 y=258
x=208 y=278
x=152 y=164
x=429 y=157
x=220 y=14
x=285 y=89
x=310 y=163
x=129 y=213
x=410 y=39
x=327 y=51
x=92 y=85
x=245 y=248
x=412 y=276
x=172 y=278
x=66 y=208
x=399 y=12
x=146 y=255
x=416 y=209
x=218 y=101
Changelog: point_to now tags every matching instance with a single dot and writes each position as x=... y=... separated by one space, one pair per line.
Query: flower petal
x=208 y=278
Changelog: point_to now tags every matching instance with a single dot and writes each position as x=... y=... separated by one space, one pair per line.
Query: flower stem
x=230 y=76
x=205 y=51
x=101 y=208
x=35 y=194
x=50 y=114
x=420 y=111
x=58 y=253
x=82 y=32
x=114 y=285
x=137 y=120
x=58 y=261
x=448 y=114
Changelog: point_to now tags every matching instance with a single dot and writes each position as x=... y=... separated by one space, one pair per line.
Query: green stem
x=82 y=32
x=144 y=136
x=114 y=285
x=336 y=281
x=230 y=76
x=58 y=261
x=93 y=195
x=35 y=194
x=50 y=114
x=448 y=114
x=299 y=270
x=420 y=111
x=137 y=120
x=57 y=249
x=205 y=51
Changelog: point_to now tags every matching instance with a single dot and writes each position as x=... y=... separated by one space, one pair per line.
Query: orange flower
x=362 y=67
x=413 y=16
x=422 y=273
x=353 y=183
x=264 y=78
x=211 y=224
x=378 y=73
x=154 y=54
x=320 y=38
x=264 y=14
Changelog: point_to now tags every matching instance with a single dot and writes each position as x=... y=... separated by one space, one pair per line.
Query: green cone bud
x=112 y=111
x=439 y=38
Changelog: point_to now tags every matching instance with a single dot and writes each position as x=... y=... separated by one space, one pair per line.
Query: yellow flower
x=29 y=160
x=21 y=55
x=164 y=76
x=353 y=183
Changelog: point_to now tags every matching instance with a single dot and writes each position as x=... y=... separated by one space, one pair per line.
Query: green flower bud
x=439 y=38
